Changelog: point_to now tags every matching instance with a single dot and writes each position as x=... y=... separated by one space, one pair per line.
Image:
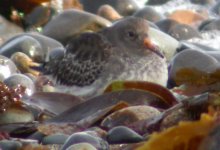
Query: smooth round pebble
x=34 y=45
x=122 y=134
x=55 y=139
x=20 y=79
x=149 y=13
x=10 y=145
x=15 y=115
x=56 y=53
x=7 y=68
x=63 y=26
x=81 y=146
x=82 y=137
x=193 y=59
x=37 y=136
x=108 y=12
x=183 y=32
x=166 y=24
x=124 y=7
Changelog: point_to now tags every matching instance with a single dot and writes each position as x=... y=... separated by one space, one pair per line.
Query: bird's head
x=131 y=35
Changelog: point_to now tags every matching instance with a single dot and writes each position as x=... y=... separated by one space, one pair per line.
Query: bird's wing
x=83 y=63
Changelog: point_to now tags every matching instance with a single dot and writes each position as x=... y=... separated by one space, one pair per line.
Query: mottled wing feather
x=84 y=60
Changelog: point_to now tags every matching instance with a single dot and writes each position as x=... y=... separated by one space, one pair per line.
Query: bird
x=92 y=60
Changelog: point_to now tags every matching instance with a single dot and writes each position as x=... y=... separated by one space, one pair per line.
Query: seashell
x=90 y=107
x=163 y=92
x=54 y=103
x=129 y=115
x=85 y=21
x=24 y=63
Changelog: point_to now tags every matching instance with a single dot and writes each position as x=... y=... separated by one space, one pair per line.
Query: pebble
x=124 y=7
x=81 y=146
x=149 y=13
x=15 y=115
x=189 y=59
x=10 y=145
x=82 y=137
x=188 y=17
x=122 y=134
x=20 y=79
x=108 y=12
x=183 y=32
x=55 y=139
x=166 y=24
x=216 y=8
x=7 y=68
x=68 y=26
x=34 y=45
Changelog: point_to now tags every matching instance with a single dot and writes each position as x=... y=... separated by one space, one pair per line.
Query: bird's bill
x=153 y=48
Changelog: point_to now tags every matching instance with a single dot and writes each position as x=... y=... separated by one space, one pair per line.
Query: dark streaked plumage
x=83 y=62
x=123 y=51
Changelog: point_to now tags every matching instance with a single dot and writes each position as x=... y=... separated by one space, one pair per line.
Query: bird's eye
x=132 y=35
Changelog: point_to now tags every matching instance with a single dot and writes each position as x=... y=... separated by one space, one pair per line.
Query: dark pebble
x=10 y=145
x=149 y=14
x=124 y=7
x=122 y=134
x=166 y=24
x=55 y=139
x=82 y=137
x=183 y=32
x=156 y=2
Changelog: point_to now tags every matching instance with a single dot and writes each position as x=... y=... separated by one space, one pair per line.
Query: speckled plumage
x=93 y=60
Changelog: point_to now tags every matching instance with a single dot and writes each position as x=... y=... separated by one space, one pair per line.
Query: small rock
x=20 y=79
x=108 y=12
x=82 y=137
x=10 y=145
x=81 y=146
x=122 y=134
x=184 y=32
x=149 y=13
x=55 y=139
